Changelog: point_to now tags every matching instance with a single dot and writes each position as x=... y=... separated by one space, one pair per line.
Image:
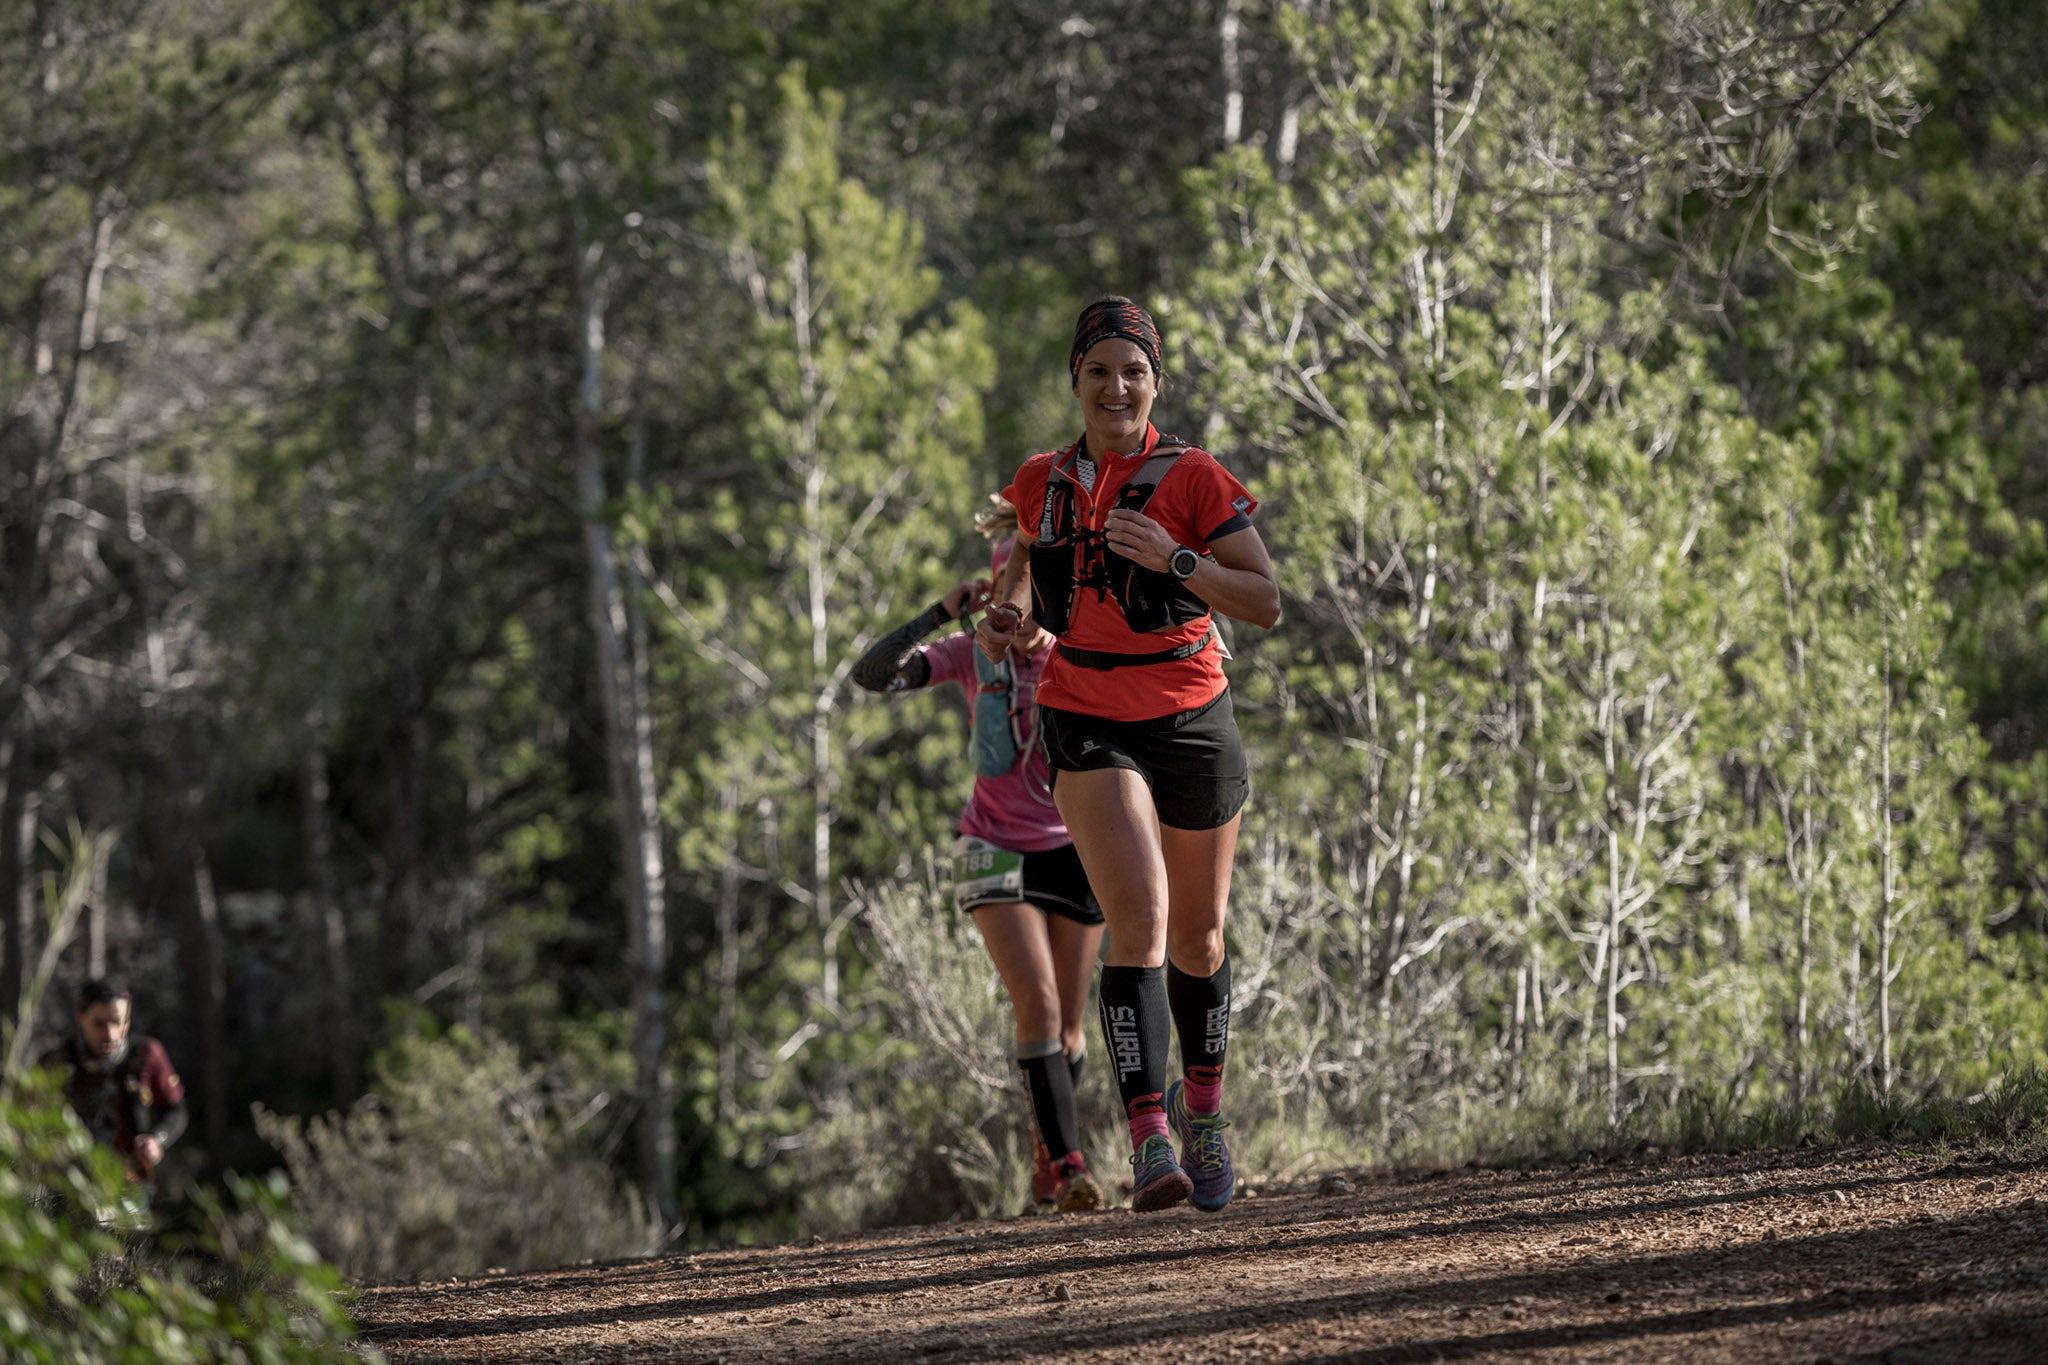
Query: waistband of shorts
x=1172 y=720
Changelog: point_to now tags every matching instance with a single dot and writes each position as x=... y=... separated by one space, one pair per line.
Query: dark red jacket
x=137 y=1092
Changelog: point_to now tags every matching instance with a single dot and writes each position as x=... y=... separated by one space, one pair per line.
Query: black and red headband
x=1114 y=317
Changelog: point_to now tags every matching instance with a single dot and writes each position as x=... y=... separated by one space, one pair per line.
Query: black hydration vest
x=1067 y=557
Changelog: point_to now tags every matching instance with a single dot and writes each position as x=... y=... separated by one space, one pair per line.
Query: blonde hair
x=996 y=519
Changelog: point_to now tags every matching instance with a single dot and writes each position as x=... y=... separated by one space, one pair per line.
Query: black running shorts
x=1052 y=880
x=1193 y=760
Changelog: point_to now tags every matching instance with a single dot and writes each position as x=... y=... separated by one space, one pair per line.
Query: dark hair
x=1113 y=315
x=101 y=990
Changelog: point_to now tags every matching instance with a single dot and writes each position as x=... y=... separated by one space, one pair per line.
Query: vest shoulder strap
x=1166 y=453
x=1164 y=457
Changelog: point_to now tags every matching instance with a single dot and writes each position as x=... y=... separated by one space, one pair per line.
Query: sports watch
x=1183 y=562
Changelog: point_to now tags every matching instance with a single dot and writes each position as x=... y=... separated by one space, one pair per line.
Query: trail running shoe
x=1157 y=1181
x=1045 y=1179
x=1079 y=1192
x=1202 y=1151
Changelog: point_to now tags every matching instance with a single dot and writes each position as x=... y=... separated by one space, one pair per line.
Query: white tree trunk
x=1233 y=73
x=629 y=761
x=1888 y=889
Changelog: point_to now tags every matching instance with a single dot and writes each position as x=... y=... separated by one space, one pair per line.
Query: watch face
x=1183 y=563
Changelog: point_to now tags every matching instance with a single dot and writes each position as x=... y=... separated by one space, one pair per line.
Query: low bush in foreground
x=84 y=1282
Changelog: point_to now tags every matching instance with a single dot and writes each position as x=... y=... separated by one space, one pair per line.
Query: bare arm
x=1237 y=580
x=1009 y=603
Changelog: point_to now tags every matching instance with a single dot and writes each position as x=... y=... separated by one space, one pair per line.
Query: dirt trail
x=1870 y=1255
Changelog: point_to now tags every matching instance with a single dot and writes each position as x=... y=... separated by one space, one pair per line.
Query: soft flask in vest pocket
x=1152 y=601
x=1051 y=557
x=1052 y=584
x=995 y=740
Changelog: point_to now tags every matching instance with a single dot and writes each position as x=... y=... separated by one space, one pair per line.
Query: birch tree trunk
x=727 y=973
x=1610 y=934
x=96 y=922
x=650 y=1006
x=1888 y=887
x=1230 y=27
x=17 y=906
x=1533 y=717
x=629 y=759
x=817 y=554
x=184 y=876
x=55 y=395
x=25 y=919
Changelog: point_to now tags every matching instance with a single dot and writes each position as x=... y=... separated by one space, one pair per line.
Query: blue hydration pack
x=995 y=738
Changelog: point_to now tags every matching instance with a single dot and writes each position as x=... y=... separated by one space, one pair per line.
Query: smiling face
x=1115 y=386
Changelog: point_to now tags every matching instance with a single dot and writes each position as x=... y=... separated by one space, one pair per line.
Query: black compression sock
x=1052 y=1095
x=1137 y=1028
x=1201 y=1015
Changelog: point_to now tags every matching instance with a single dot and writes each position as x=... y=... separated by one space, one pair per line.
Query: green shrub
x=238 y=1284
x=458 y=1161
x=943 y=1104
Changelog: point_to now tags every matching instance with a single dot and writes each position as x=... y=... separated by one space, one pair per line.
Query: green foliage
x=460 y=1159
x=86 y=1276
x=1644 y=404
x=856 y=387
x=241 y=1285
x=1610 y=750
x=944 y=1089
x=942 y=1094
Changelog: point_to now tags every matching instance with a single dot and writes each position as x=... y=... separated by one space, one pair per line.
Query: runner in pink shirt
x=1015 y=869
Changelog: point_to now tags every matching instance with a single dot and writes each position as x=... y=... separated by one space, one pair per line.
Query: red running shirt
x=1197 y=500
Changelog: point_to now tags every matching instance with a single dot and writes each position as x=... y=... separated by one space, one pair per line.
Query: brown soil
x=1865 y=1255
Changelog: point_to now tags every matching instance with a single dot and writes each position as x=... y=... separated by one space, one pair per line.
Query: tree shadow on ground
x=1891 y=1266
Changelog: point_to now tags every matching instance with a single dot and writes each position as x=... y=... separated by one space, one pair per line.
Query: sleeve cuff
x=1238 y=522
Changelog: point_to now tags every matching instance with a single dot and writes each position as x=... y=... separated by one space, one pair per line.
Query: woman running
x=1129 y=540
x=1015 y=867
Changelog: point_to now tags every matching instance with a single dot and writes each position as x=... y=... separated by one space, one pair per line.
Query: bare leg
x=1198 y=893
x=1019 y=945
x=1075 y=947
x=1109 y=812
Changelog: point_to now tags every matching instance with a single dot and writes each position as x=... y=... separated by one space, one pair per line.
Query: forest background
x=454 y=450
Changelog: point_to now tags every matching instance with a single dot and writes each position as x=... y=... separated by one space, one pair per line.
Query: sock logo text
x=1216 y=1030
x=1123 y=1039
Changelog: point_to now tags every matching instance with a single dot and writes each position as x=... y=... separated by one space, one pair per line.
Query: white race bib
x=984 y=874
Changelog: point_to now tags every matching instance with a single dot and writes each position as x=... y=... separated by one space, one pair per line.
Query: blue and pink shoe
x=1157 y=1181
x=1203 y=1152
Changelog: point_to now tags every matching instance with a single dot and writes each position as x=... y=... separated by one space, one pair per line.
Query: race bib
x=984 y=874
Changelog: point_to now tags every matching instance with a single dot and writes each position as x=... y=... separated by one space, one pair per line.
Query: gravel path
x=1862 y=1255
